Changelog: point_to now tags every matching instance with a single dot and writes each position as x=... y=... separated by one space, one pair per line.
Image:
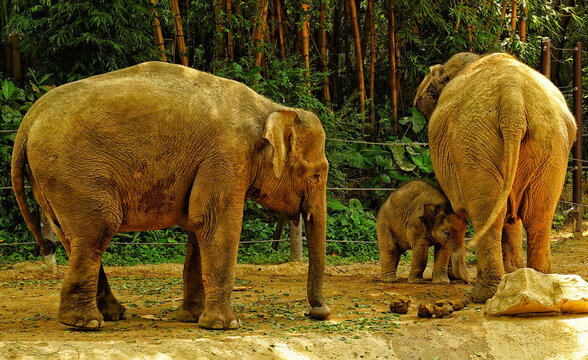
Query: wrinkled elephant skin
x=156 y=145
x=499 y=135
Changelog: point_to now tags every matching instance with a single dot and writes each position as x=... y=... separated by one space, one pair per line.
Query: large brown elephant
x=499 y=134
x=156 y=145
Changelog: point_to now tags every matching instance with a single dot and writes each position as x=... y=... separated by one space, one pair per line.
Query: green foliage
x=76 y=39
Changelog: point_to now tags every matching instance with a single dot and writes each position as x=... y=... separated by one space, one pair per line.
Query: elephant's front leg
x=193 y=304
x=418 y=260
x=442 y=255
x=218 y=242
x=109 y=307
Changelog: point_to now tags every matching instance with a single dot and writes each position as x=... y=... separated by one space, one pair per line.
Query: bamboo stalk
x=323 y=51
x=278 y=7
x=392 y=54
x=513 y=25
x=372 y=66
x=230 y=40
x=502 y=15
x=157 y=30
x=305 y=41
x=219 y=37
x=179 y=32
x=359 y=61
x=258 y=35
x=524 y=23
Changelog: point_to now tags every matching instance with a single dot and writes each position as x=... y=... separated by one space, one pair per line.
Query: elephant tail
x=513 y=127
x=19 y=161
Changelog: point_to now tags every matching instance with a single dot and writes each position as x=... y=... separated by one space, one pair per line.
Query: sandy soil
x=272 y=303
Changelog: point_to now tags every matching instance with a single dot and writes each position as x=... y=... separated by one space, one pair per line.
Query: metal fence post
x=577 y=163
x=546 y=58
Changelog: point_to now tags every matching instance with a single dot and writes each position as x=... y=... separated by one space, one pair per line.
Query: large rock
x=527 y=291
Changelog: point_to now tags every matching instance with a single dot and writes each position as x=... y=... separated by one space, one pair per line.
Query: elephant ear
x=430 y=89
x=427 y=216
x=279 y=133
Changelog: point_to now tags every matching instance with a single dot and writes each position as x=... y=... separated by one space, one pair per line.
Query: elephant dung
x=441 y=311
x=528 y=292
x=456 y=304
x=399 y=305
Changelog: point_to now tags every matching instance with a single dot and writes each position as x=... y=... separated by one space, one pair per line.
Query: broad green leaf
x=403 y=162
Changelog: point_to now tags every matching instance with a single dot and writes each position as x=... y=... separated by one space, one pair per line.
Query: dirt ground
x=271 y=301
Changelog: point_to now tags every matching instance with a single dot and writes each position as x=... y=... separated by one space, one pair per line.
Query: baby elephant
x=414 y=217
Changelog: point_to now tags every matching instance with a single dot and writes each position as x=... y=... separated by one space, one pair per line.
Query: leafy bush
x=76 y=39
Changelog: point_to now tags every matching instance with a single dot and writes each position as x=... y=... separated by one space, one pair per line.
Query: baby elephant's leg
x=442 y=255
x=389 y=255
x=418 y=261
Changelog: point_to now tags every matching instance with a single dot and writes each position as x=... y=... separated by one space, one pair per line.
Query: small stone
x=399 y=305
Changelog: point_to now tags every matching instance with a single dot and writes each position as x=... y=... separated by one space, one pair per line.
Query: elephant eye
x=446 y=233
x=315 y=178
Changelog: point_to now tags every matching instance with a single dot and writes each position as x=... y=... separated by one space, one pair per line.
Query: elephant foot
x=388 y=278
x=81 y=319
x=416 y=280
x=110 y=308
x=219 y=321
x=441 y=280
x=189 y=316
x=320 y=312
x=482 y=292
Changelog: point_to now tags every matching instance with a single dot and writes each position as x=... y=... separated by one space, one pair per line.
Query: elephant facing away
x=416 y=217
x=499 y=135
x=156 y=145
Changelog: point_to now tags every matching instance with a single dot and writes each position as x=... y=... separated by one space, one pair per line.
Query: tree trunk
x=335 y=46
x=323 y=52
x=392 y=55
x=278 y=7
x=359 y=61
x=502 y=15
x=157 y=31
x=230 y=36
x=305 y=41
x=219 y=37
x=524 y=23
x=179 y=32
x=513 y=26
x=372 y=66
x=259 y=31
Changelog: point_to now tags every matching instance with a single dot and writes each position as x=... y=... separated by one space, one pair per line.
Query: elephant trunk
x=315 y=216
x=458 y=264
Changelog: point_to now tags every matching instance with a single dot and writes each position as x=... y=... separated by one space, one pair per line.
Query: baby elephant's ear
x=279 y=133
x=428 y=216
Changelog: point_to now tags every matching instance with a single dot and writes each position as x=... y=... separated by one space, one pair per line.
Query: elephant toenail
x=93 y=324
x=79 y=323
x=218 y=325
x=234 y=324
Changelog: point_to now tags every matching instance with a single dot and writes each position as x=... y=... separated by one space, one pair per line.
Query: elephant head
x=447 y=230
x=439 y=75
x=291 y=178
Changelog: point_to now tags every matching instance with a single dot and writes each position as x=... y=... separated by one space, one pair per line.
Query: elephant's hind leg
x=489 y=251
x=88 y=228
x=512 y=246
x=108 y=305
x=193 y=304
x=539 y=203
